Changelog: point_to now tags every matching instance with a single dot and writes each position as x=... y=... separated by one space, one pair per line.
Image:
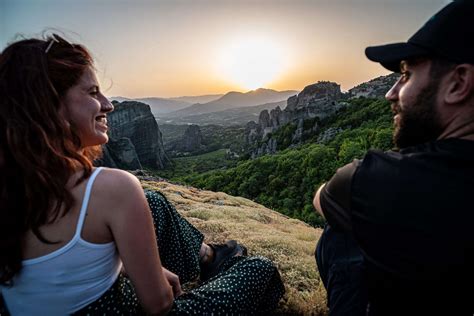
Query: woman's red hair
x=39 y=149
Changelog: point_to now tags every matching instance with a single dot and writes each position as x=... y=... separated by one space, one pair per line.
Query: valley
x=281 y=157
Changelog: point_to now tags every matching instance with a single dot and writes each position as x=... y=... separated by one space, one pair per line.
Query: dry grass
x=288 y=242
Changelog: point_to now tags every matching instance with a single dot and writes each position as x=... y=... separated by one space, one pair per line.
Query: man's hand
x=173 y=280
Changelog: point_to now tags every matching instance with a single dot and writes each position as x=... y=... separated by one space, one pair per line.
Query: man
x=400 y=234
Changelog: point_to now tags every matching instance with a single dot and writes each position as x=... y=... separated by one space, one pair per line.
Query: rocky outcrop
x=318 y=95
x=191 y=140
x=328 y=135
x=316 y=101
x=375 y=88
x=121 y=154
x=135 y=138
x=252 y=133
x=298 y=134
x=305 y=110
x=190 y=143
x=267 y=147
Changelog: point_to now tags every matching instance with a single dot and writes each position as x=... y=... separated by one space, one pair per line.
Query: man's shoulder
x=441 y=153
x=374 y=162
x=374 y=155
x=380 y=161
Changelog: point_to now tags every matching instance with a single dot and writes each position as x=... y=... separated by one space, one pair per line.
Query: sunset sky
x=194 y=47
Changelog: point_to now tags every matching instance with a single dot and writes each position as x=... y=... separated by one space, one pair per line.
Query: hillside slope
x=290 y=243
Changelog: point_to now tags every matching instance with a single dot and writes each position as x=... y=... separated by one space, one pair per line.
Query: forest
x=287 y=180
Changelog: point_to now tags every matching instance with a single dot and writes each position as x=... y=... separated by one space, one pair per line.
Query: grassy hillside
x=290 y=243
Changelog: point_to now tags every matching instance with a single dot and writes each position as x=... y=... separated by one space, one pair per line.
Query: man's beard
x=419 y=122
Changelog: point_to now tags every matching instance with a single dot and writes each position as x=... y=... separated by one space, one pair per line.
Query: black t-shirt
x=412 y=214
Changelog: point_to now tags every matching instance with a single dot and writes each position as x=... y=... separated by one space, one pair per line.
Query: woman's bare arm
x=130 y=221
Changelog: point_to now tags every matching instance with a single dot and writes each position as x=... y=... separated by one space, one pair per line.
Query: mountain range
x=238 y=108
x=234 y=100
x=229 y=117
x=160 y=106
x=166 y=108
x=198 y=98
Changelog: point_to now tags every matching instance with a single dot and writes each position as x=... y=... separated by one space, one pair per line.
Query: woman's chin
x=106 y=139
x=97 y=141
x=102 y=138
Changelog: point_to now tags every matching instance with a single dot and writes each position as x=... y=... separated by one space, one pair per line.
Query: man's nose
x=392 y=94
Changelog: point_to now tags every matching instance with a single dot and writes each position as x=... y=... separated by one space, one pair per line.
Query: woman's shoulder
x=116 y=184
x=121 y=198
x=117 y=176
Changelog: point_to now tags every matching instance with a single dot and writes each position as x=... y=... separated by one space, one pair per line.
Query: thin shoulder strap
x=85 y=201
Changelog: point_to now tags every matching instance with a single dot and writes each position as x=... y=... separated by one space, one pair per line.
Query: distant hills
x=165 y=105
x=158 y=105
x=238 y=108
x=234 y=116
x=198 y=98
x=189 y=107
x=235 y=100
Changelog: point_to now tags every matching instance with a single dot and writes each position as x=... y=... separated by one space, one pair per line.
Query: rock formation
x=135 y=138
x=314 y=103
x=121 y=154
x=328 y=135
x=375 y=88
x=191 y=140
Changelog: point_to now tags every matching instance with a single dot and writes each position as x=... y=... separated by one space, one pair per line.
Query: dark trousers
x=342 y=270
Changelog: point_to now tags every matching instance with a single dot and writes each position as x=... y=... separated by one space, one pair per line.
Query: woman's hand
x=173 y=280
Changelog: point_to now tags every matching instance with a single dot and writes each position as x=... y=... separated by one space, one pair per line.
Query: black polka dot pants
x=244 y=285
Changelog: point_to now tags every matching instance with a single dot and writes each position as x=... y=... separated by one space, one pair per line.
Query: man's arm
x=317 y=201
x=333 y=199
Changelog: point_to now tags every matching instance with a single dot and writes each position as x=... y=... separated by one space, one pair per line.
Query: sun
x=250 y=62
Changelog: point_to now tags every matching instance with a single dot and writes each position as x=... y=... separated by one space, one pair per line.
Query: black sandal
x=222 y=252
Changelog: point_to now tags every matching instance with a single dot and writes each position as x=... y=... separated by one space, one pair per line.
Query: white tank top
x=67 y=279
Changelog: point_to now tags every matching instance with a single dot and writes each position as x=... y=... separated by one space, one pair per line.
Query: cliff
x=315 y=102
x=290 y=243
x=191 y=141
x=375 y=88
x=135 y=138
x=299 y=119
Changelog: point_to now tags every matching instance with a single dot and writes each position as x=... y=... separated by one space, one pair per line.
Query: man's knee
x=342 y=270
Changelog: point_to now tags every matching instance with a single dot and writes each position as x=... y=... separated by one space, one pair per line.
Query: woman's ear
x=63 y=114
x=460 y=84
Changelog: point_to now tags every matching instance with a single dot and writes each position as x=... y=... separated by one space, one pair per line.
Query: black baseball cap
x=449 y=34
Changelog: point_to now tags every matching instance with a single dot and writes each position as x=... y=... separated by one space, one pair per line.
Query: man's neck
x=461 y=125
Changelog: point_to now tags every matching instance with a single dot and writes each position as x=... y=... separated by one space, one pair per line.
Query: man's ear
x=460 y=84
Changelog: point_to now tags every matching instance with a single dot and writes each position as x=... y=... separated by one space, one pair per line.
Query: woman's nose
x=106 y=105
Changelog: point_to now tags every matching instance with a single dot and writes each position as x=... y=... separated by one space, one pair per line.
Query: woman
x=67 y=228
